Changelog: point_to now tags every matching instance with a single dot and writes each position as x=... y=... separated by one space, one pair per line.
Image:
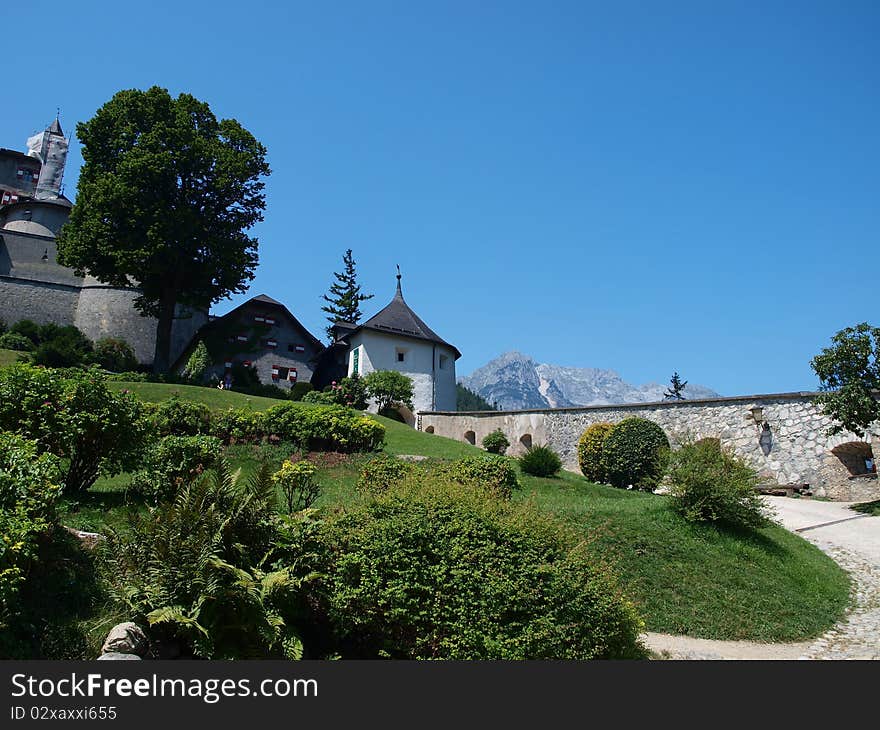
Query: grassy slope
x=7 y=357
x=694 y=579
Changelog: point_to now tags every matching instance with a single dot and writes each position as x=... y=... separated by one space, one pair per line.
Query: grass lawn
x=868 y=508
x=7 y=357
x=769 y=585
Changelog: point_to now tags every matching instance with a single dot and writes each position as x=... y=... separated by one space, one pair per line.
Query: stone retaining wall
x=784 y=436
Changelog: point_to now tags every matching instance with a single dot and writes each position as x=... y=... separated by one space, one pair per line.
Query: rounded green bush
x=115 y=354
x=540 y=461
x=15 y=341
x=711 y=484
x=635 y=454
x=177 y=417
x=437 y=571
x=173 y=462
x=590 y=451
x=491 y=472
x=382 y=472
x=496 y=442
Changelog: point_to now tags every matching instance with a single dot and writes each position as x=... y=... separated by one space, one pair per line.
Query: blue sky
x=643 y=186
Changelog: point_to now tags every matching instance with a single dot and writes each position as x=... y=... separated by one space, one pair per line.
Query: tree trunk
x=162 y=357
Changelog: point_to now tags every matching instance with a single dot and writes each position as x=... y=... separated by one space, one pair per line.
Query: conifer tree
x=677 y=385
x=343 y=303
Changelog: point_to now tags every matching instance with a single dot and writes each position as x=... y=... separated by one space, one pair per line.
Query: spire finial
x=398 y=280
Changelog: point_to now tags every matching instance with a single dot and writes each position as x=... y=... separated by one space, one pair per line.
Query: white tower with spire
x=50 y=148
x=397 y=339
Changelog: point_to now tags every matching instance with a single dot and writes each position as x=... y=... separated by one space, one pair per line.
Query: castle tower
x=50 y=148
x=397 y=339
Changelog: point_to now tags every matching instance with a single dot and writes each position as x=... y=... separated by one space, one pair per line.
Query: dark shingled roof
x=398 y=319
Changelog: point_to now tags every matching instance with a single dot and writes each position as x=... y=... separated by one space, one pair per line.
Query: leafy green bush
x=382 y=472
x=351 y=392
x=173 y=462
x=77 y=417
x=319 y=396
x=323 y=428
x=635 y=454
x=115 y=354
x=711 y=484
x=177 y=417
x=62 y=347
x=28 y=489
x=197 y=570
x=297 y=485
x=237 y=425
x=15 y=341
x=438 y=571
x=491 y=472
x=388 y=388
x=540 y=461
x=299 y=390
x=129 y=376
x=496 y=442
x=27 y=328
x=590 y=449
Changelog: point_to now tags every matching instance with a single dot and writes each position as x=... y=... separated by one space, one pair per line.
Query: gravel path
x=851 y=539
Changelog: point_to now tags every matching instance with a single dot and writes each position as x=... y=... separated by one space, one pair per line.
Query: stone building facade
x=784 y=436
x=261 y=334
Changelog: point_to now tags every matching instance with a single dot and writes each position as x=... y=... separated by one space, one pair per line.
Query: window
x=401 y=354
x=296 y=348
x=356 y=360
x=241 y=338
x=270 y=343
x=291 y=375
x=444 y=362
x=258 y=318
x=279 y=373
x=270 y=320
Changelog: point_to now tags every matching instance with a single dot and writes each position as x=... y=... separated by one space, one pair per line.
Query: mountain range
x=516 y=381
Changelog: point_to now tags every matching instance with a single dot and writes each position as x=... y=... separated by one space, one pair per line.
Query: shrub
x=489 y=471
x=351 y=392
x=27 y=328
x=115 y=354
x=15 y=341
x=198 y=363
x=76 y=417
x=196 y=570
x=323 y=428
x=710 y=484
x=28 y=488
x=173 y=462
x=320 y=397
x=177 y=417
x=235 y=425
x=61 y=347
x=129 y=376
x=389 y=387
x=382 y=472
x=591 y=448
x=635 y=454
x=299 y=390
x=496 y=442
x=2 y=325
x=297 y=485
x=437 y=571
x=540 y=461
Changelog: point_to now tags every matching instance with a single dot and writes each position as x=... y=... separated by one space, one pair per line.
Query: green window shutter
x=356 y=360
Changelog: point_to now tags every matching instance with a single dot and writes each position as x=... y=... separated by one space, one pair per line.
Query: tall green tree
x=164 y=200
x=675 y=391
x=849 y=373
x=344 y=299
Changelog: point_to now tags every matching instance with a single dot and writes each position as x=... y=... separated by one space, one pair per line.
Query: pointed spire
x=55 y=127
x=399 y=290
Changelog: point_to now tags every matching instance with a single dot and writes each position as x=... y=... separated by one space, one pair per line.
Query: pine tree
x=343 y=303
x=677 y=385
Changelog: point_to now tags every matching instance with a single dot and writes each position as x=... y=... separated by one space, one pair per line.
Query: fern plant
x=199 y=569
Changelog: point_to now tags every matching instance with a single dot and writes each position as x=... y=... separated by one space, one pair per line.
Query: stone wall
x=784 y=436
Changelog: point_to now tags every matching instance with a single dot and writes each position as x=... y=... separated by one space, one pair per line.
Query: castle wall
x=796 y=449
x=42 y=302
